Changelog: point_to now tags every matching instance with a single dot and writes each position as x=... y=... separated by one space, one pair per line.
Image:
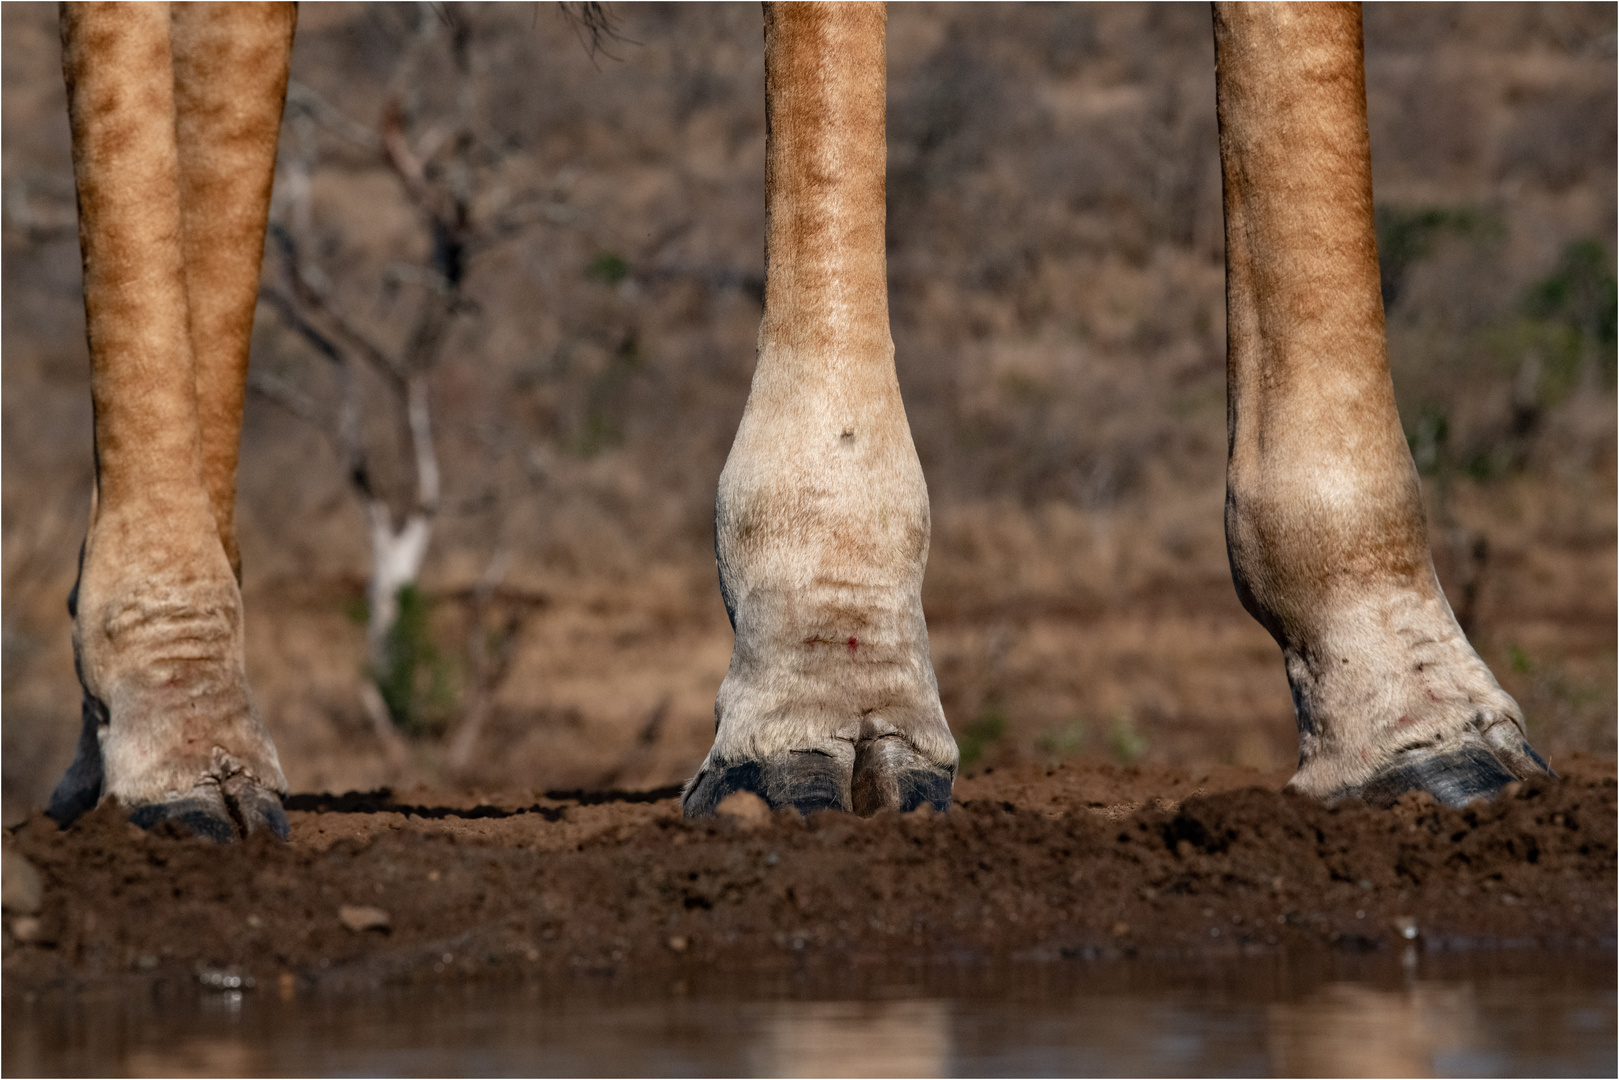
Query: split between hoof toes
x=219 y=812
x=890 y=775
x=880 y=774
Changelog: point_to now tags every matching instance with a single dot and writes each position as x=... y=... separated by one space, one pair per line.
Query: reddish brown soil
x=1071 y=862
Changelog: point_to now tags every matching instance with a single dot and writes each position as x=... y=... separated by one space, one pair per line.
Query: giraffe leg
x=821 y=525
x=1324 y=520
x=230 y=86
x=157 y=607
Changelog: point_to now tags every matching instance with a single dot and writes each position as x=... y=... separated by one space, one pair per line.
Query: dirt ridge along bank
x=1031 y=863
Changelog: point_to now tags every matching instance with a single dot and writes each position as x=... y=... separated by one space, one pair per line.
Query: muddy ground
x=1057 y=864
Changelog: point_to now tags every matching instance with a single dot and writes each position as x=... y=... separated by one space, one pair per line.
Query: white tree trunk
x=396 y=556
x=396 y=559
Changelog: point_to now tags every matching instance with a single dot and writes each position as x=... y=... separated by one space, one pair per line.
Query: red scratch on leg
x=853 y=645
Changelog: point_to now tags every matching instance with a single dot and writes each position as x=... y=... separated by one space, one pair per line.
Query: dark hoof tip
x=1455 y=778
x=1529 y=752
x=79 y=790
x=242 y=809
x=918 y=789
x=256 y=809
x=196 y=816
x=277 y=823
x=806 y=780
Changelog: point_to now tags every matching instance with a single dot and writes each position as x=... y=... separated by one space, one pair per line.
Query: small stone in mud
x=360 y=918
x=25 y=928
x=1406 y=927
x=1120 y=929
x=678 y=943
x=745 y=806
x=21 y=888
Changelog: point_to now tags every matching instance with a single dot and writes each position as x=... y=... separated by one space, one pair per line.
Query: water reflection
x=194 y=1057
x=853 y=1038
x=1349 y=1030
x=1436 y=1029
x=1518 y=1014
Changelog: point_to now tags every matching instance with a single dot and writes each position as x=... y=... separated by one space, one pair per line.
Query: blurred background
x=553 y=239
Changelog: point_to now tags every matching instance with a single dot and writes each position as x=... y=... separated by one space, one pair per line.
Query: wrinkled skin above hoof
x=875 y=774
x=1455 y=775
x=219 y=812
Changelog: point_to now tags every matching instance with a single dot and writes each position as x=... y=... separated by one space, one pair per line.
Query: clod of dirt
x=21 y=887
x=361 y=918
x=746 y=807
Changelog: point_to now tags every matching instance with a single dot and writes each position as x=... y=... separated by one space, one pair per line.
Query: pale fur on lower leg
x=822 y=543
x=821 y=523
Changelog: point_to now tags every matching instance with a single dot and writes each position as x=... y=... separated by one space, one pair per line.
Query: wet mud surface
x=1031 y=864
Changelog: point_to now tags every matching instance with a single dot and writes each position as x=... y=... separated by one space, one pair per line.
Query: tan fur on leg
x=1324 y=519
x=158 y=621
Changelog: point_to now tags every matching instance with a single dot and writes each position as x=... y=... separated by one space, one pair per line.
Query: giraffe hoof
x=219 y=812
x=255 y=808
x=1455 y=776
x=889 y=774
x=881 y=773
x=806 y=780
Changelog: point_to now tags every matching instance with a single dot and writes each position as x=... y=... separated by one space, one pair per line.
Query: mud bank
x=1076 y=862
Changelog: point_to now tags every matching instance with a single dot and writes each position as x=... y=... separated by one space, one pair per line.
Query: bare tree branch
x=595 y=28
x=410 y=169
x=276 y=389
x=288 y=310
x=328 y=116
x=310 y=300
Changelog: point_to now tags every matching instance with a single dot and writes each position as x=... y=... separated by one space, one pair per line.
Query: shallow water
x=1480 y=1014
